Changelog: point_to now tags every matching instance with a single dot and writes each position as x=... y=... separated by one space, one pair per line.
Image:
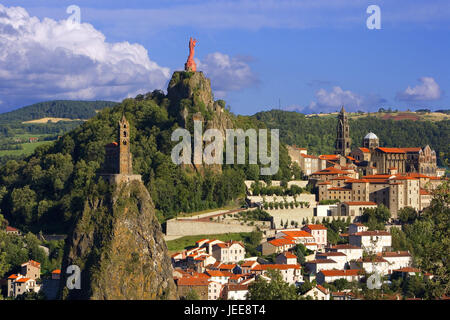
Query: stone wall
x=190 y=228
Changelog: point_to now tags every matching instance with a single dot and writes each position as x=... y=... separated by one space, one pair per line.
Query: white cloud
x=332 y=100
x=227 y=73
x=48 y=59
x=427 y=90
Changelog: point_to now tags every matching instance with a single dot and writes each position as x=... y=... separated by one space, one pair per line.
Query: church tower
x=343 y=141
x=125 y=162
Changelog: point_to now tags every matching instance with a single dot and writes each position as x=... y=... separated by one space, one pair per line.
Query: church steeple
x=125 y=162
x=343 y=140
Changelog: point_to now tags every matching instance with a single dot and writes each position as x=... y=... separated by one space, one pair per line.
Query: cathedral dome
x=371 y=135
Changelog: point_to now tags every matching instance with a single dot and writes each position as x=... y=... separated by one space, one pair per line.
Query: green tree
x=275 y=289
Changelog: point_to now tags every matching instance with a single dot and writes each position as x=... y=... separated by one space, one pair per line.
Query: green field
x=28 y=148
x=189 y=241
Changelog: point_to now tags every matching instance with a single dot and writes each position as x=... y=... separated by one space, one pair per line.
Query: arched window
x=124 y=142
x=124 y=133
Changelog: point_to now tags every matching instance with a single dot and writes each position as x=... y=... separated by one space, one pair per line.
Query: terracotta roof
x=324 y=290
x=289 y=255
x=237 y=287
x=192 y=281
x=33 y=263
x=372 y=259
x=365 y=150
x=395 y=254
x=248 y=263
x=340 y=189
x=325 y=182
x=329 y=171
x=329 y=157
x=280 y=242
x=316 y=261
x=297 y=234
x=23 y=280
x=407 y=269
x=372 y=233
x=316 y=227
x=360 y=203
x=276 y=266
x=13 y=276
x=391 y=150
x=417 y=149
x=331 y=254
x=11 y=229
x=344 y=246
x=227 y=266
x=342 y=178
x=57 y=271
x=337 y=273
x=217 y=273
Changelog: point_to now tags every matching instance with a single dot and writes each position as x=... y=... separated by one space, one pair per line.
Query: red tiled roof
x=340 y=189
x=297 y=234
x=13 y=276
x=57 y=271
x=192 y=281
x=248 y=263
x=316 y=227
x=289 y=255
x=23 y=280
x=336 y=273
x=324 y=290
x=391 y=150
x=330 y=254
x=344 y=246
x=237 y=287
x=395 y=254
x=407 y=269
x=329 y=157
x=11 y=229
x=417 y=149
x=365 y=150
x=372 y=233
x=280 y=242
x=342 y=178
x=276 y=266
x=360 y=203
x=321 y=261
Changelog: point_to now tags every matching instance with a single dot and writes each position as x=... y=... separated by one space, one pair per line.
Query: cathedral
x=370 y=158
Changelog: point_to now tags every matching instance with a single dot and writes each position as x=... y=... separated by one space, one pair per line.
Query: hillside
x=56 y=109
x=46 y=191
x=119 y=246
x=318 y=133
x=419 y=115
x=44 y=121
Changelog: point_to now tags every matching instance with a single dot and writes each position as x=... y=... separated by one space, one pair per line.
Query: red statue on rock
x=190 y=64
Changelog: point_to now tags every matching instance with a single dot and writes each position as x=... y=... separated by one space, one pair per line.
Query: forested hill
x=56 y=109
x=318 y=134
x=48 y=190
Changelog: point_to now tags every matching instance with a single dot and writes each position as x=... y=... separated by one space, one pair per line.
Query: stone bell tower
x=125 y=161
x=343 y=140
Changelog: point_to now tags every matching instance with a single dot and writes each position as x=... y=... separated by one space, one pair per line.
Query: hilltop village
x=348 y=189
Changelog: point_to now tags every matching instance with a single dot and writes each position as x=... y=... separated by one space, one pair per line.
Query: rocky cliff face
x=120 y=249
x=191 y=96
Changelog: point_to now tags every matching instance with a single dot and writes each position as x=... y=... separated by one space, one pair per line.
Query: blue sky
x=311 y=56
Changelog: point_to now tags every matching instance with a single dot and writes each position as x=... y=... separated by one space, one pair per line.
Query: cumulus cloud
x=427 y=90
x=227 y=73
x=332 y=100
x=48 y=59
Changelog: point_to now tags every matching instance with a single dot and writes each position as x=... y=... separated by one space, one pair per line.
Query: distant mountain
x=56 y=109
